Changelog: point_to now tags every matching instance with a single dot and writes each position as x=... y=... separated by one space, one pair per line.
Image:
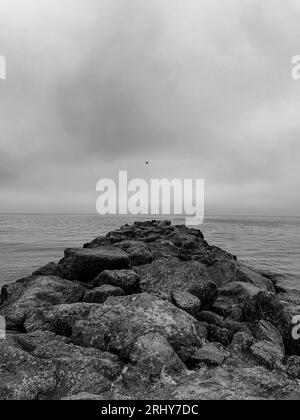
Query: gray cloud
x=201 y=88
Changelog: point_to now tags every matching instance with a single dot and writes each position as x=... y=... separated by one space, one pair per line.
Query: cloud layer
x=200 y=88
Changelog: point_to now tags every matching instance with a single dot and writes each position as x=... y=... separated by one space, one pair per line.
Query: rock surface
x=149 y=311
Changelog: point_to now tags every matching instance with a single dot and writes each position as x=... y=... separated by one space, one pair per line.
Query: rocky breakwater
x=149 y=311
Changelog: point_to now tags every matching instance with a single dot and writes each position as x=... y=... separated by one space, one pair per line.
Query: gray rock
x=265 y=331
x=268 y=355
x=219 y=335
x=36 y=292
x=279 y=313
x=127 y=280
x=102 y=293
x=138 y=252
x=154 y=356
x=85 y=264
x=211 y=354
x=166 y=274
x=117 y=324
x=233 y=299
x=59 y=319
x=293 y=366
x=187 y=302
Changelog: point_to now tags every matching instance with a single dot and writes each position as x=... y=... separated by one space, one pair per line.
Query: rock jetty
x=149 y=311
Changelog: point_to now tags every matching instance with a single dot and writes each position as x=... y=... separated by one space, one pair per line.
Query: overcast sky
x=200 y=88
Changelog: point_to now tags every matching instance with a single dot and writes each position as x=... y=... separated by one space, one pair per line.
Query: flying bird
x=147 y=163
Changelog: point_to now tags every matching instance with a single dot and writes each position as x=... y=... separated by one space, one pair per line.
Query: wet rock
x=36 y=292
x=86 y=264
x=187 y=302
x=153 y=355
x=102 y=293
x=138 y=252
x=127 y=280
x=116 y=325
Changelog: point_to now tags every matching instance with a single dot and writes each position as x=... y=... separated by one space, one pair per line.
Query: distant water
x=30 y=241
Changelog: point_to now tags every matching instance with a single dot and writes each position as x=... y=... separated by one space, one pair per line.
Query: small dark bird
x=147 y=163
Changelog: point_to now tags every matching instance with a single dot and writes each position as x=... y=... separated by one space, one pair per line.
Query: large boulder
x=42 y=365
x=278 y=312
x=36 y=292
x=59 y=319
x=22 y=376
x=139 y=253
x=210 y=354
x=233 y=298
x=116 y=325
x=86 y=264
x=187 y=302
x=171 y=274
x=154 y=356
x=265 y=331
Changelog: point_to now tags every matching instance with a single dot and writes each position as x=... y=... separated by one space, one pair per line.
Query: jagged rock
x=265 y=331
x=293 y=367
x=219 y=335
x=73 y=369
x=59 y=319
x=154 y=356
x=240 y=346
x=133 y=380
x=36 y=292
x=118 y=323
x=165 y=275
x=226 y=324
x=233 y=298
x=236 y=383
x=22 y=376
x=138 y=252
x=227 y=270
x=118 y=345
x=127 y=280
x=266 y=354
x=187 y=302
x=50 y=269
x=211 y=354
x=279 y=313
x=102 y=293
x=86 y=264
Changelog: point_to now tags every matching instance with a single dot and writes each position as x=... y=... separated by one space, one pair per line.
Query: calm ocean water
x=30 y=241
